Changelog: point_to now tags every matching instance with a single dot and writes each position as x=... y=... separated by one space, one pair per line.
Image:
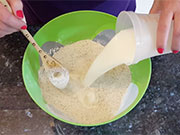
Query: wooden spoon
x=57 y=74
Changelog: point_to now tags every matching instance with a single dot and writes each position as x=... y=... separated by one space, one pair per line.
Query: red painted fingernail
x=24 y=27
x=19 y=13
x=160 y=50
x=175 y=51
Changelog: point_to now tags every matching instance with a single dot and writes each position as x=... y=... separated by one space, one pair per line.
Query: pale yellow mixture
x=86 y=105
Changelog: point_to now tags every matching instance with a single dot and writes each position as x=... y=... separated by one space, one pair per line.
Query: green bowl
x=69 y=28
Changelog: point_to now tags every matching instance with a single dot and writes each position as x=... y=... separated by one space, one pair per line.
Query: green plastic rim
x=69 y=28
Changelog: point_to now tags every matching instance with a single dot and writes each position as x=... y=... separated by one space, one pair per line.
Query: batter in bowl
x=97 y=103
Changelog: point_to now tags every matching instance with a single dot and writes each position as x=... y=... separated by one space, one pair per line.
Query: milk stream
x=120 y=50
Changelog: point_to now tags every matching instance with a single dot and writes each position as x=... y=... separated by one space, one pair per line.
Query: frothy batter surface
x=86 y=105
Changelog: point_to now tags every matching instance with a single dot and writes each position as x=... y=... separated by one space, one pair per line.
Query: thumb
x=17 y=8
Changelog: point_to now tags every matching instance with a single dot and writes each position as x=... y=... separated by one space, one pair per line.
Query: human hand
x=9 y=22
x=169 y=10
